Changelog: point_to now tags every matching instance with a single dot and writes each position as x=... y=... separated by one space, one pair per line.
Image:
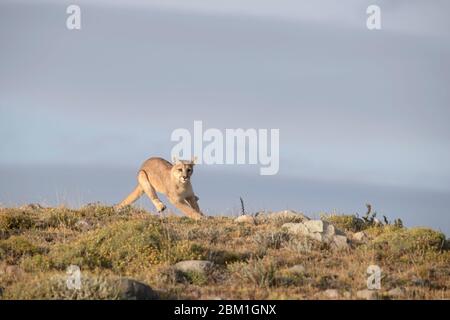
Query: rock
x=314 y=225
x=419 y=282
x=396 y=293
x=319 y=230
x=200 y=266
x=296 y=228
x=13 y=271
x=297 y=269
x=339 y=242
x=287 y=215
x=360 y=236
x=330 y=231
x=331 y=293
x=245 y=219
x=83 y=225
x=130 y=289
x=367 y=294
x=447 y=244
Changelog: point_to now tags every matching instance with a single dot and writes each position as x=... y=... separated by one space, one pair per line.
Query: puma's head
x=182 y=170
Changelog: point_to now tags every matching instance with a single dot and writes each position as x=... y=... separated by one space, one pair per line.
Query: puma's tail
x=132 y=197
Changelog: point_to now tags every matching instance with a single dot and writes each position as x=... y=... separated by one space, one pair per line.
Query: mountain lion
x=172 y=180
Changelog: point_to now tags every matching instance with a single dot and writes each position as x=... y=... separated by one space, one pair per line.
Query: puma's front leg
x=150 y=191
x=193 y=203
x=186 y=209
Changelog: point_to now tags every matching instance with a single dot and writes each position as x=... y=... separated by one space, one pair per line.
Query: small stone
x=245 y=219
x=419 y=282
x=367 y=294
x=130 y=289
x=396 y=293
x=297 y=269
x=200 y=266
x=340 y=242
x=360 y=236
x=83 y=225
x=331 y=293
x=13 y=271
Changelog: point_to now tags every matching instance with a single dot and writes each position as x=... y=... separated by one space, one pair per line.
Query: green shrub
x=61 y=217
x=346 y=222
x=258 y=272
x=401 y=240
x=15 y=220
x=13 y=248
x=123 y=245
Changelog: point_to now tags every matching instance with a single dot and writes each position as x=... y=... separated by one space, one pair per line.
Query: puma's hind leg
x=150 y=191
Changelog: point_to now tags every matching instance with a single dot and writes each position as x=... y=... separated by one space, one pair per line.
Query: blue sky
x=357 y=109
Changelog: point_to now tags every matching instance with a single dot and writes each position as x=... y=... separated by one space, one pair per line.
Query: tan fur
x=172 y=180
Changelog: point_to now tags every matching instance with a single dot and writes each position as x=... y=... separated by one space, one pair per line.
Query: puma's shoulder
x=156 y=164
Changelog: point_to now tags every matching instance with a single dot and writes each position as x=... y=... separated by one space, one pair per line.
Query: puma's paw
x=198 y=216
x=118 y=208
x=160 y=207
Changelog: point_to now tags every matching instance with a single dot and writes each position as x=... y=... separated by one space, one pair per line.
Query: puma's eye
x=179 y=170
x=189 y=170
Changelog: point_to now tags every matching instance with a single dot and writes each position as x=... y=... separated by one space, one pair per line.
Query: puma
x=172 y=180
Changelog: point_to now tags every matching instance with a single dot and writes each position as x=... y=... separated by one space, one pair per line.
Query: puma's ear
x=194 y=160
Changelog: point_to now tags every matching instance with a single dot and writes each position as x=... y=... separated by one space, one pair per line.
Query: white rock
x=367 y=294
x=200 y=266
x=360 y=236
x=83 y=225
x=319 y=230
x=314 y=225
x=331 y=293
x=296 y=228
x=245 y=219
x=329 y=232
x=297 y=269
x=287 y=215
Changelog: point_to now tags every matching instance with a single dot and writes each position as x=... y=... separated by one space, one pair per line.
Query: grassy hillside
x=253 y=259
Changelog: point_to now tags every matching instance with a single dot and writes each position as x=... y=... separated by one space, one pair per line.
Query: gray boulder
x=318 y=230
x=396 y=293
x=130 y=289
